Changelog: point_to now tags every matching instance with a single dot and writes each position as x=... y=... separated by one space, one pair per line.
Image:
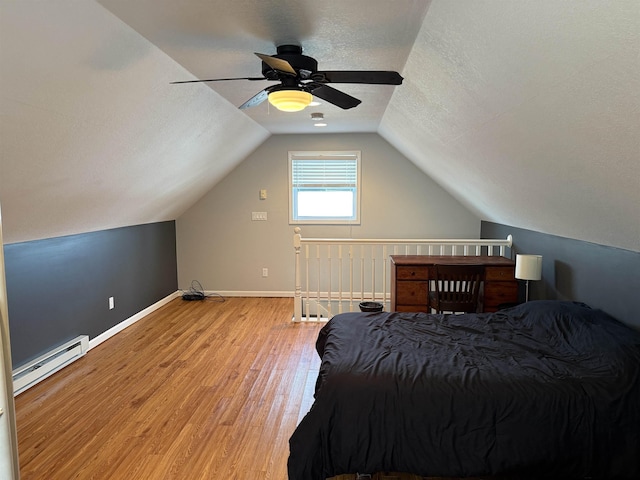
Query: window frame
x=318 y=155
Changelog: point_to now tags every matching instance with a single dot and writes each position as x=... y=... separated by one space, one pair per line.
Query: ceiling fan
x=300 y=80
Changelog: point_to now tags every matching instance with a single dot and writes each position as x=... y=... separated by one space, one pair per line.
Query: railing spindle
x=351 y=278
x=308 y=285
x=362 y=273
x=384 y=273
x=329 y=280
x=373 y=274
x=339 y=278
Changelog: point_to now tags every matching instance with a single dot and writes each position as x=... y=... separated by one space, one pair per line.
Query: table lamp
x=528 y=267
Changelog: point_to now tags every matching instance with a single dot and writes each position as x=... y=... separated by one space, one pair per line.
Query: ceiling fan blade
x=334 y=96
x=277 y=64
x=220 y=80
x=257 y=99
x=380 y=77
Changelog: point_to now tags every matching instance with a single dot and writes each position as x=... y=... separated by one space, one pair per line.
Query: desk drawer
x=412 y=272
x=499 y=274
x=496 y=293
x=411 y=293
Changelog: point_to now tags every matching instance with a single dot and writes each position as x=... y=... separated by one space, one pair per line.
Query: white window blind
x=325 y=172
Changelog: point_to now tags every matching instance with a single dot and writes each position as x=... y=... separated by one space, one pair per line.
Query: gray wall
x=221 y=247
x=58 y=288
x=603 y=277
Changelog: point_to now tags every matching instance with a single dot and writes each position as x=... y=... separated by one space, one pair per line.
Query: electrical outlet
x=265 y=272
x=111 y=303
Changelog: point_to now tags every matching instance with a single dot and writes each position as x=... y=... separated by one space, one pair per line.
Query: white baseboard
x=235 y=293
x=94 y=342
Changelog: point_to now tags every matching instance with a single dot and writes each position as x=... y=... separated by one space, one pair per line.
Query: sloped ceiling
x=93 y=136
x=528 y=112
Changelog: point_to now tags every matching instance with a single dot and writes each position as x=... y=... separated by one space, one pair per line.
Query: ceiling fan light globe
x=290 y=100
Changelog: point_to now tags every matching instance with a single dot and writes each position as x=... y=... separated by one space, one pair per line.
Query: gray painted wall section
x=58 y=288
x=221 y=247
x=603 y=277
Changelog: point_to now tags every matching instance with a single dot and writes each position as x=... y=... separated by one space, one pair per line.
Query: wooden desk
x=410 y=276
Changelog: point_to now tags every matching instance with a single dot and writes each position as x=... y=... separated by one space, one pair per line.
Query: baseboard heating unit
x=45 y=365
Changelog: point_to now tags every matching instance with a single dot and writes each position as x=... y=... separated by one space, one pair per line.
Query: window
x=324 y=187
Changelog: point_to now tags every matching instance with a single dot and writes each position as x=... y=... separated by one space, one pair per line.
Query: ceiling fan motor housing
x=293 y=55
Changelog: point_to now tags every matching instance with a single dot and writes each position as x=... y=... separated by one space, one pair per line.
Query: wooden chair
x=457 y=288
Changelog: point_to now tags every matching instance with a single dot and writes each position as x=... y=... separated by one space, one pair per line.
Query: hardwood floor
x=196 y=390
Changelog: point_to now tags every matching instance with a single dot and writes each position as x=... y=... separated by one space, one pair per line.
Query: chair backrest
x=457 y=288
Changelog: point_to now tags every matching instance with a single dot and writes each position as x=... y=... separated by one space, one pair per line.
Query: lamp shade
x=529 y=267
x=290 y=100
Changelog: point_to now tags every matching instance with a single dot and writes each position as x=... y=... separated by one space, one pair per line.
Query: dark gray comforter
x=547 y=389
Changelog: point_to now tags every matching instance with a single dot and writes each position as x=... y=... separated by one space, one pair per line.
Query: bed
x=546 y=389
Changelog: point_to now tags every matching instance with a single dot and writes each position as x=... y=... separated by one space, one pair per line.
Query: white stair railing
x=359 y=269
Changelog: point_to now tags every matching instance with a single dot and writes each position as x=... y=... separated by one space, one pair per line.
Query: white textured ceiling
x=218 y=38
x=528 y=112
x=92 y=134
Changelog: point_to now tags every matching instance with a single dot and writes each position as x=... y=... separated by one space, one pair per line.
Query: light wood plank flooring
x=196 y=390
